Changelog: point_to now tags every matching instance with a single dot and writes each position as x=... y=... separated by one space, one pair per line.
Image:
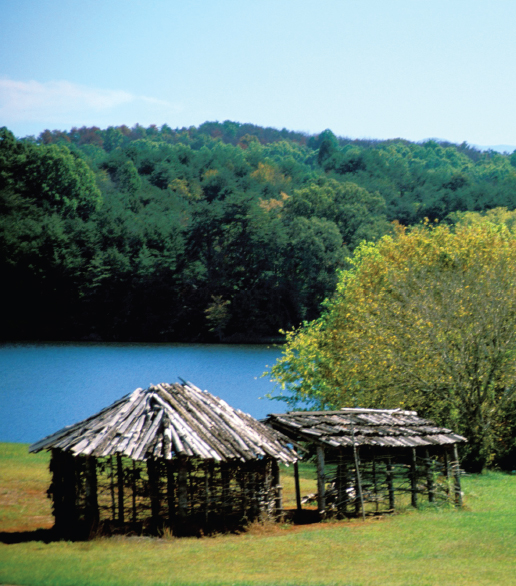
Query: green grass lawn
x=428 y=547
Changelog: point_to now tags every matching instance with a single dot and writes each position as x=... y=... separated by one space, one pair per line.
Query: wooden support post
x=456 y=475
x=341 y=485
x=112 y=488
x=182 y=489
x=276 y=480
x=120 y=488
x=390 y=484
x=133 y=490
x=152 y=471
x=225 y=479
x=254 y=505
x=208 y=482
x=90 y=493
x=170 y=492
x=321 y=482
x=348 y=486
x=358 y=480
x=447 y=471
x=429 y=477
x=413 y=479
x=64 y=493
x=244 y=487
x=298 y=487
x=375 y=484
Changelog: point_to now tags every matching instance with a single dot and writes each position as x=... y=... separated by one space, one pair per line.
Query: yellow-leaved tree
x=423 y=320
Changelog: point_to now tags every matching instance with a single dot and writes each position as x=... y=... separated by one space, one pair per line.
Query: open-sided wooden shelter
x=368 y=457
x=168 y=456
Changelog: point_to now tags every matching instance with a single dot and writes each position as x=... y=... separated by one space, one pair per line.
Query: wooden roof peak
x=170 y=420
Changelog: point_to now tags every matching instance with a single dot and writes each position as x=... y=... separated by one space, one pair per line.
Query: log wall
x=186 y=495
x=385 y=480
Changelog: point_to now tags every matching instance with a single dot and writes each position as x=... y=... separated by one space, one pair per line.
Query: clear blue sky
x=364 y=68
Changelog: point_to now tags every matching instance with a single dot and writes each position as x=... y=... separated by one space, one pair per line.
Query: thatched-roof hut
x=372 y=455
x=171 y=455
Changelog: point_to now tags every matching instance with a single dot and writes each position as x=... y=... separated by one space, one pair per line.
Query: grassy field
x=428 y=547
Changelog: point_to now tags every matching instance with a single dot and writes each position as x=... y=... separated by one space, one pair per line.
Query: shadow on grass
x=45 y=535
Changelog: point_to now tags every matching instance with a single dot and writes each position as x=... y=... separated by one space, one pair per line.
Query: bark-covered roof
x=366 y=427
x=170 y=420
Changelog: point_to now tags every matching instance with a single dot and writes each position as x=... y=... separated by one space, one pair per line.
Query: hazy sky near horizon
x=381 y=69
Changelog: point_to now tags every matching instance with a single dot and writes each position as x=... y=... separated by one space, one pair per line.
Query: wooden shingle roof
x=170 y=420
x=366 y=427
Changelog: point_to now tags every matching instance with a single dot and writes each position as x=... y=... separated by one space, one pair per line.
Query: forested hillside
x=226 y=232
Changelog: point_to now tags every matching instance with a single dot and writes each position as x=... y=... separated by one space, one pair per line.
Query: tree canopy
x=423 y=320
x=141 y=233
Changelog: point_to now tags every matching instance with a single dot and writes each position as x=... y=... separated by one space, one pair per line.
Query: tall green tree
x=424 y=321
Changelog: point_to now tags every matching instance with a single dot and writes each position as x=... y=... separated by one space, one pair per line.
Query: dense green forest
x=224 y=231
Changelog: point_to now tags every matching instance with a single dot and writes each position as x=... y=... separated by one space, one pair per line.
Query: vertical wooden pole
x=170 y=492
x=182 y=489
x=133 y=490
x=298 y=487
x=375 y=484
x=413 y=479
x=447 y=471
x=321 y=481
x=152 y=471
x=208 y=481
x=225 y=479
x=90 y=493
x=390 y=483
x=112 y=488
x=255 y=509
x=341 y=494
x=244 y=482
x=120 y=487
x=64 y=493
x=456 y=471
x=429 y=477
x=276 y=480
x=358 y=485
x=348 y=485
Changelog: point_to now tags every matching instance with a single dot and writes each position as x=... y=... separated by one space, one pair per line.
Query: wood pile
x=168 y=421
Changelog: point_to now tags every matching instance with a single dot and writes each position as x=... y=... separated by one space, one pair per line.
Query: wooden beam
x=120 y=488
x=170 y=492
x=278 y=504
x=133 y=490
x=298 y=488
x=182 y=489
x=208 y=482
x=152 y=471
x=90 y=493
x=413 y=479
x=358 y=480
x=321 y=481
x=429 y=477
x=112 y=488
x=390 y=483
x=341 y=485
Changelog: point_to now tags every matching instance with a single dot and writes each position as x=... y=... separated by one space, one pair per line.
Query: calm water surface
x=44 y=387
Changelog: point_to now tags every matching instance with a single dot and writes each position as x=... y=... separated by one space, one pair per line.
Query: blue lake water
x=44 y=387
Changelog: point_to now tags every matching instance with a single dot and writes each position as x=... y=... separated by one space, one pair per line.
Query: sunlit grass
x=429 y=547
x=24 y=480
